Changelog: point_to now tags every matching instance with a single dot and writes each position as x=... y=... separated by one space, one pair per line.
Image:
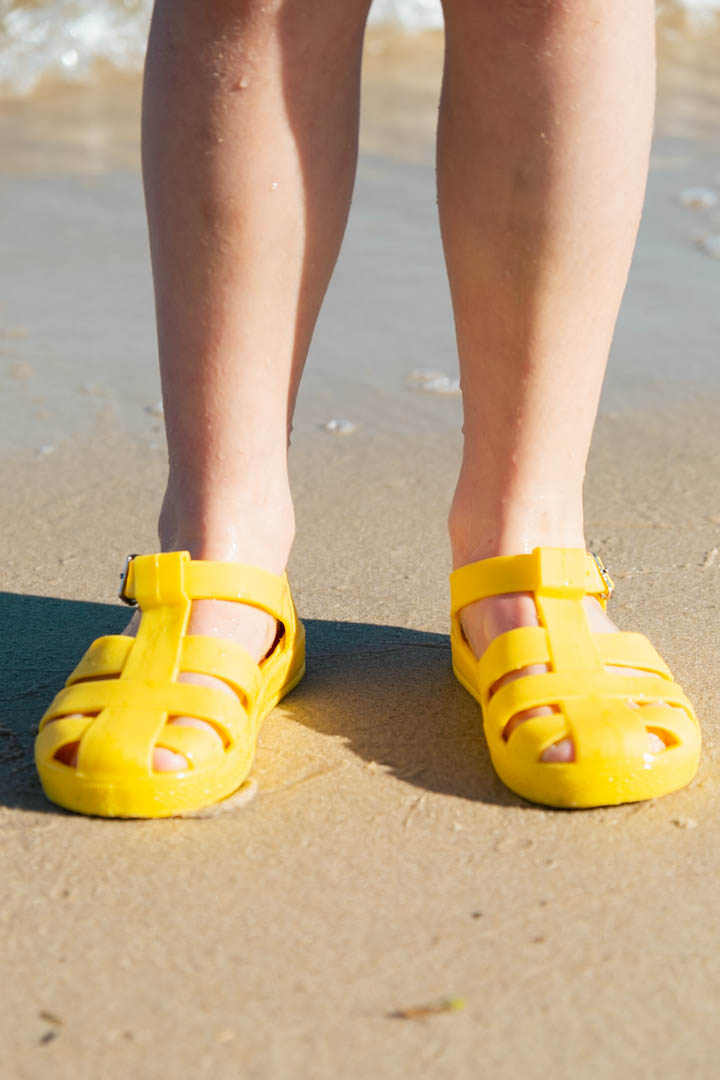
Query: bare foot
x=247 y=626
x=487 y=619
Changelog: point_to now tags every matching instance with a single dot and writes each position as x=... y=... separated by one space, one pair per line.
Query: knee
x=258 y=23
x=243 y=15
x=517 y=18
x=210 y=19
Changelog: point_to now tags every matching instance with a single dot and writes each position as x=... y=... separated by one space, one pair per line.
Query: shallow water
x=73 y=39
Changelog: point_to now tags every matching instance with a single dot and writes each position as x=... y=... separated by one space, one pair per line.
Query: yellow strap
x=554 y=571
x=133 y=716
x=66 y=730
x=510 y=652
x=205 y=580
x=103 y=660
x=554 y=688
x=159 y=586
x=627 y=649
x=600 y=733
x=571 y=643
x=224 y=660
x=165 y=699
x=121 y=738
x=526 y=645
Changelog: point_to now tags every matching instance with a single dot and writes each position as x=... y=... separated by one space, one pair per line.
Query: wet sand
x=381 y=868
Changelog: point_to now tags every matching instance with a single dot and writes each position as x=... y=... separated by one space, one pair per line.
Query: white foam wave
x=410 y=14
x=67 y=38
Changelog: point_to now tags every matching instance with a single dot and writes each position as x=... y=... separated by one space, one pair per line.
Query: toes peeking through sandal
x=113 y=711
x=594 y=707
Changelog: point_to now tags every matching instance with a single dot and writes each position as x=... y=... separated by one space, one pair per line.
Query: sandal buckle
x=605 y=575
x=123 y=582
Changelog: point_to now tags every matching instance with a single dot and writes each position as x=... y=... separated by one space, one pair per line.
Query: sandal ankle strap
x=559 y=572
x=173 y=577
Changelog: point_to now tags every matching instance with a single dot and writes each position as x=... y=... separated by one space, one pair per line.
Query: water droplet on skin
x=274 y=186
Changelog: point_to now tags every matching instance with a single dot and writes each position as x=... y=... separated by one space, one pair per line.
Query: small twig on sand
x=710 y=558
x=415 y=806
x=422 y=1012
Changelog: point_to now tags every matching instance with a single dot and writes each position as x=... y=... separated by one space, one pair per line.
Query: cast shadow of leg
x=42 y=640
x=391 y=694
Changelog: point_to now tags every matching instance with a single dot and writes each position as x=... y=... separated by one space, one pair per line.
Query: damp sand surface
x=382 y=906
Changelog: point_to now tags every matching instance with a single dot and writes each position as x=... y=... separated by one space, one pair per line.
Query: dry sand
x=381 y=867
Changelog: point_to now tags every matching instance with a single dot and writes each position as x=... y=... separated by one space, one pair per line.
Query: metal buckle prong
x=123 y=582
x=605 y=575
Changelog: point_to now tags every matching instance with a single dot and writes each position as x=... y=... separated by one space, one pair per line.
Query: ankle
x=513 y=525
x=233 y=526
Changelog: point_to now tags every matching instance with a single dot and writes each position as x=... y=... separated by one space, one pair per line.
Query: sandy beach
x=382 y=906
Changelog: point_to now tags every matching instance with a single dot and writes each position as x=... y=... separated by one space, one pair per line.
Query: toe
x=564 y=750
x=561 y=751
x=655 y=744
x=165 y=760
x=168 y=761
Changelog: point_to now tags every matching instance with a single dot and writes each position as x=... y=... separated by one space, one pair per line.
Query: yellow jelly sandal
x=596 y=708
x=116 y=704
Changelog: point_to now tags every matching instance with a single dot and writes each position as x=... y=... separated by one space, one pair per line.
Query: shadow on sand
x=387 y=691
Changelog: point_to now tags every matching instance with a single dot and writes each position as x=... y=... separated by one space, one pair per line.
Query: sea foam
x=68 y=39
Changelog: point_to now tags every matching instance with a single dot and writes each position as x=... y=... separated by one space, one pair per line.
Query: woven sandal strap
x=559 y=572
x=205 y=580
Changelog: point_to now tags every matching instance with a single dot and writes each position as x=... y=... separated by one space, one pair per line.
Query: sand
x=380 y=870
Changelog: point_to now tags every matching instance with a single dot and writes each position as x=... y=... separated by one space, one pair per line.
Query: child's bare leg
x=249 y=149
x=543 y=144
